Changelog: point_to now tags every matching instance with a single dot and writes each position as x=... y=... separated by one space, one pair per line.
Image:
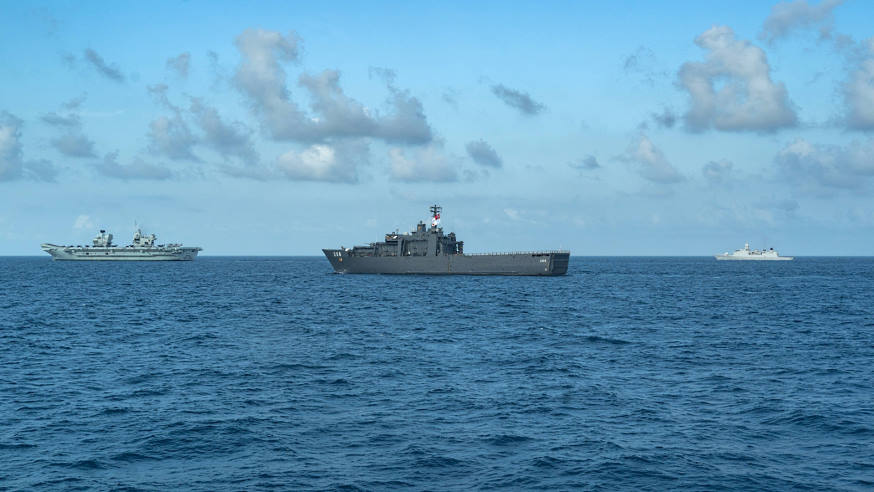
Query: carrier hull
x=67 y=253
x=535 y=263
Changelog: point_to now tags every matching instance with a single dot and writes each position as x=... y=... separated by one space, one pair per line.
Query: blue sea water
x=274 y=373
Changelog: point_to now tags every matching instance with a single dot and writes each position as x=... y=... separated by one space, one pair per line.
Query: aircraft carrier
x=142 y=248
x=428 y=251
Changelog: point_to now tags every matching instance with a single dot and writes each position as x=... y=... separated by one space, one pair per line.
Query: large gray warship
x=429 y=251
x=142 y=248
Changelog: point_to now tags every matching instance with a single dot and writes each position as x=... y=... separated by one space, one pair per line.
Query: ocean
x=256 y=373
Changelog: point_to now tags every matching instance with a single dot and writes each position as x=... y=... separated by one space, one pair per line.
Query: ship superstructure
x=427 y=250
x=142 y=248
x=753 y=254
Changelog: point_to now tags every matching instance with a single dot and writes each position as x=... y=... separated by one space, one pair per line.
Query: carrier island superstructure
x=142 y=248
x=427 y=250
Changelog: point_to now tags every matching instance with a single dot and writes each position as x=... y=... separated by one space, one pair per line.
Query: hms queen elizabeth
x=427 y=250
x=142 y=248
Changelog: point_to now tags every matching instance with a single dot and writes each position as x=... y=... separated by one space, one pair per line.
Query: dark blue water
x=260 y=373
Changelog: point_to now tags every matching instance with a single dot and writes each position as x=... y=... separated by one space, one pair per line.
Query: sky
x=281 y=128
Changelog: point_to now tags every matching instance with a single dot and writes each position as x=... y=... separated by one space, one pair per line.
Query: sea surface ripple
x=274 y=373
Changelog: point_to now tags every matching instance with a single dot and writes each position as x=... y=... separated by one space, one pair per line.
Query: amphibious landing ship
x=429 y=251
x=143 y=248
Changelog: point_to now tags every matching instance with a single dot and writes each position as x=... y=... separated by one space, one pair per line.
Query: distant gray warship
x=143 y=248
x=429 y=251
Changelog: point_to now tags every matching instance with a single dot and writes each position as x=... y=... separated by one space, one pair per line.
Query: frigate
x=747 y=254
x=427 y=250
x=142 y=248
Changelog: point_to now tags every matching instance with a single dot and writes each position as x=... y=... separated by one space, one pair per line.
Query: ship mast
x=435 y=215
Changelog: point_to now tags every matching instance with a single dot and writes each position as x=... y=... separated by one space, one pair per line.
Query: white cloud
x=10 y=147
x=718 y=172
x=732 y=90
x=109 y=71
x=859 y=91
x=333 y=114
x=228 y=139
x=172 y=138
x=336 y=162
x=180 y=64
x=483 y=154
x=74 y=145
x=587 y=163
x=649 y=161
x=138 y=169
x=83 y=222
x=788 y=16
x=518 y=100
x=428 y=163
x=12 y=163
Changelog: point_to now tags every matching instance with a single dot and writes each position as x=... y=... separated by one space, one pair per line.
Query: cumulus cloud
x=180 y=64
x=337 y=162
x=109 y=71
x=732 y=90
x=333 y=114
x=649 y=161
x=858 y=91
x=483 y=154
x=518 y=100
x=718 y=172
x=138 y=169
x=790 y=16
x=12 y=163
x=228 y=139
x=813 y=168
x=74 y=145
x=428 y=163
x=587 y=163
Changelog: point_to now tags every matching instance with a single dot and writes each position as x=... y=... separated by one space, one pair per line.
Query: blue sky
x=614 y=128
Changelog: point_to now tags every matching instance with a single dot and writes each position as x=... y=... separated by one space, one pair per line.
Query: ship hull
x=538 y=264
x=753 y=258
x=63 y=253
